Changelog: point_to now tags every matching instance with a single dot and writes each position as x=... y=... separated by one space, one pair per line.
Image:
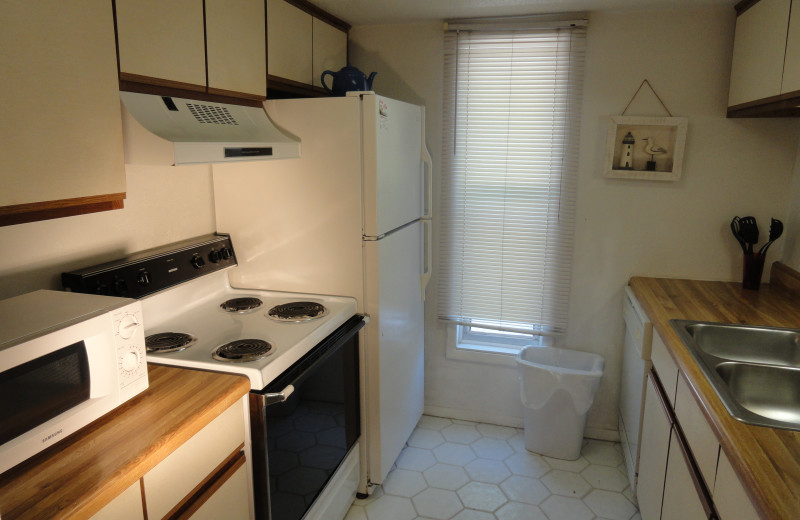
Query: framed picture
x=649 y=148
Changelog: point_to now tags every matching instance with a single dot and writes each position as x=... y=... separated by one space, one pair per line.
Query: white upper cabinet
x=237 y=46
x=760 y=51
x=61 y=132
x=169 y=44
x=162 y=41
x=330 y=49
x=289 y=41
x=791 y=67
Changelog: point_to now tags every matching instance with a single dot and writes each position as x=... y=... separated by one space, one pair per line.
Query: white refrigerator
x=350 y=217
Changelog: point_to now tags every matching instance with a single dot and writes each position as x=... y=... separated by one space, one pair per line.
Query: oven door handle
x=278 y=397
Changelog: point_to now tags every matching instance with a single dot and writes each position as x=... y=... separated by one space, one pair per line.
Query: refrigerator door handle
x=427 y=175
x=427 y=256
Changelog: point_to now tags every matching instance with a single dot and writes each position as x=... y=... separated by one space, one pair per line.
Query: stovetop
x=194 y=308
x=182 y=286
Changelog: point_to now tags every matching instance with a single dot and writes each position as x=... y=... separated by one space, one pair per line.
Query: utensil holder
x=752 y=268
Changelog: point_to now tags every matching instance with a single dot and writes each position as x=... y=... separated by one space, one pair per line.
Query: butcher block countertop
x=78 y=476
x=767 y=460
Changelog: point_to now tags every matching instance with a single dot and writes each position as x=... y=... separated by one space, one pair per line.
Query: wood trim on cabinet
x=205 y=489
x=744 y=5
x=783 y=105
x=127 y=77
x=147 y=88
x=287 y=86
x=232 y=94
x=318 y=13
x=36 y=211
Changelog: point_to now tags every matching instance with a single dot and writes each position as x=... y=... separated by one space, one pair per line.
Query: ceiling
x=368 y=12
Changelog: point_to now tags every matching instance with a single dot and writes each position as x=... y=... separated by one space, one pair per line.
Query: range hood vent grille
x=211 y=114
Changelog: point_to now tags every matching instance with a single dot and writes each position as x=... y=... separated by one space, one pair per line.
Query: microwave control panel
x=130 y=346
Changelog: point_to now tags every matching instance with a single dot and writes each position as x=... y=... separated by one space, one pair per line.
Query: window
x=511 y=126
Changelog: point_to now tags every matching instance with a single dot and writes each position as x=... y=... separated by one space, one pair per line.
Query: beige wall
x=164 y=204
x=624 y=228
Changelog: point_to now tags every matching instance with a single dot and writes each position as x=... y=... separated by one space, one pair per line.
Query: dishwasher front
x=635 y=366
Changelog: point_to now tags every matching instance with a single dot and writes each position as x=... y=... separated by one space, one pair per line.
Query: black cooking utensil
x=737 y=233
x=775 y=231
x=749 y=232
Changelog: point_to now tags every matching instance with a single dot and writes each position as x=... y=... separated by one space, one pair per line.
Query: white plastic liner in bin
x=557 y=388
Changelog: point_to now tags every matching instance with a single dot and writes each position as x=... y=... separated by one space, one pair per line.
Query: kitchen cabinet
x=683 y=500
x=213 y=47
x=181 y=482
x=765 y=68
x=127 y=506
x=61 y=137
x=697 y=431
x=730 y=496
x=329 y=50
x=656 y=432
x=302 y=42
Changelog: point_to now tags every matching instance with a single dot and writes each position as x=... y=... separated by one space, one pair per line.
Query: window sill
x=489 y=355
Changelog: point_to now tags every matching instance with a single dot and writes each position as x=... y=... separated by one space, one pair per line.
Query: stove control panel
x=144 y=273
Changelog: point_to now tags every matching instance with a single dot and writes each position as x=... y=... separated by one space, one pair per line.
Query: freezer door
x=394 y=377
x=394 y=166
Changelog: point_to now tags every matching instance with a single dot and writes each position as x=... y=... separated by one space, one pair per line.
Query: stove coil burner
x=297 y=311
x=242 y=351
x=169 y=342
x=242 y=305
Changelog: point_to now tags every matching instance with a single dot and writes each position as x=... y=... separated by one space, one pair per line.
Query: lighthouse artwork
x=626 y=155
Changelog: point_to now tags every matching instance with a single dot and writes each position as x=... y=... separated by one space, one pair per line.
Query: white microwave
x=66 y=359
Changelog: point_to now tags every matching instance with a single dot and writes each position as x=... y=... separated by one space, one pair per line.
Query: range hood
x=208 y=132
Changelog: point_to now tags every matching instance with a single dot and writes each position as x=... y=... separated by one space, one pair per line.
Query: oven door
x=303 y=425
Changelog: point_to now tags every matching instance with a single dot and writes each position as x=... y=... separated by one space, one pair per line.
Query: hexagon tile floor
x=460 y=470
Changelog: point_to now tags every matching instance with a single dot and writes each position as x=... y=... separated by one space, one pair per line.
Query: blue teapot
x=347 y=79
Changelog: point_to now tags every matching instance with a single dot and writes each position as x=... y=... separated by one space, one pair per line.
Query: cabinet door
x=127 y=506
x=162 y=41
x=289 y=35
x=229 y=501
x=758 y=51
x=681 y=499
x=656 y=429
x=61 y=132
x=702 y=441
x=791 y=64
x=730 y=496
x=175 y=477
x=665 y=367
x=330 y=50
x=237 y=47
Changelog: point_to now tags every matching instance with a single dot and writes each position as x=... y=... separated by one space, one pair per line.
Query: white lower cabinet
x=127 y=506
x=681 y=464
x=682 y=498
x=656 y=428
x=186 y=474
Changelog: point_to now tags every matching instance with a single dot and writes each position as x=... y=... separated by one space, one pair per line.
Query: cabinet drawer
x=229 y=501
x=177 y=475
x=702 y=441
x=665 y=367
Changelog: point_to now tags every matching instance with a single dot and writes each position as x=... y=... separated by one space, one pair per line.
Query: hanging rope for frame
x=654 y=93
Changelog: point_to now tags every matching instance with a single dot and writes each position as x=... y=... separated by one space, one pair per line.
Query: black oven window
x=36 y=391
x=310 y=433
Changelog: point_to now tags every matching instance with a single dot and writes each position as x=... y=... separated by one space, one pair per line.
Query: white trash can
x=557 y=388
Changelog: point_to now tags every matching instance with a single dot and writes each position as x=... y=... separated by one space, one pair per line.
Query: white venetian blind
x=511 y=126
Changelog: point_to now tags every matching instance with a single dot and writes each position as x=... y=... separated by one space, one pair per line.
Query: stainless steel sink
x=754 y=370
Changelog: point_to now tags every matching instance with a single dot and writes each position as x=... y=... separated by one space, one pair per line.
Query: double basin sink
x=754 y=370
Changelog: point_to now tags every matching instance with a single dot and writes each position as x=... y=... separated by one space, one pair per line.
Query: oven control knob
x=214 y=256
x=143 y=278
x=120 y=286
x=198 y=262
x=127 y=326
x=225 y=253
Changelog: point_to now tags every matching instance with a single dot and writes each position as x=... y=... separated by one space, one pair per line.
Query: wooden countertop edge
x=758 y=454
x=112 y=453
